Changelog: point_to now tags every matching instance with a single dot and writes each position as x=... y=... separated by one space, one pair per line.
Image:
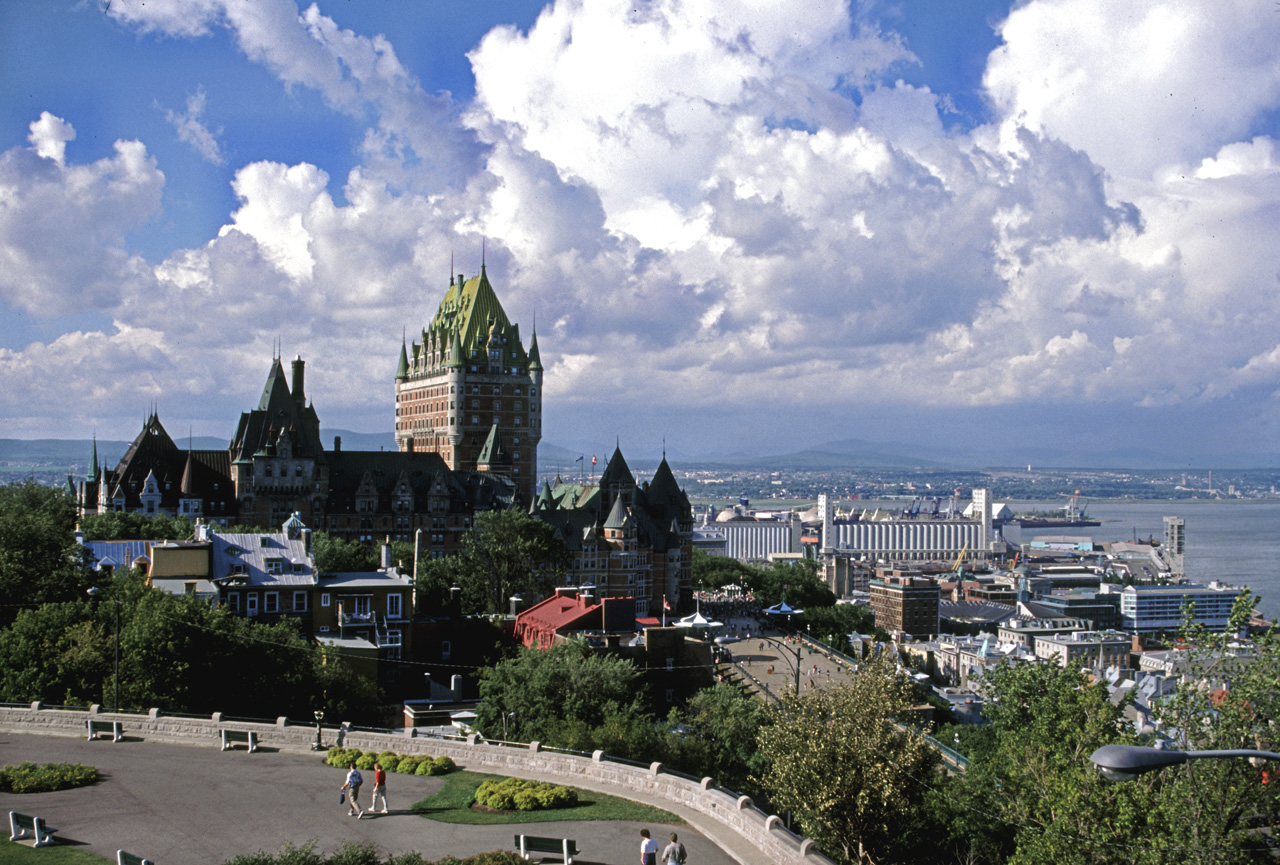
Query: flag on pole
x=593 y=459
x=666 y=605
x=579 y=459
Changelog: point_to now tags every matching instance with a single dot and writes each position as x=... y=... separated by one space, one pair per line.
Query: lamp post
x=795 y=666
x=1126 y=762
x=505 y=716
x=93 y=592
x=319 y=743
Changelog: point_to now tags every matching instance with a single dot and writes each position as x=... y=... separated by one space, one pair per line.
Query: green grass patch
x=452 y=804
x=13 y=853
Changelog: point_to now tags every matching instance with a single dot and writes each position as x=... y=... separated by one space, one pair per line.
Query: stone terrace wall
x=738 y=815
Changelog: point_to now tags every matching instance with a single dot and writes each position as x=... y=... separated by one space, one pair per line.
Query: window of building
x=446 y=650
x=324 y=629
x=393 y=606
x=251 y=604
x=271 y=602
x=233 y=602
x=300 y=602
x=324 y=599
x=275 y=566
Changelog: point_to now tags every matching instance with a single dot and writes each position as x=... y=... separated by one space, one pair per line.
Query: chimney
x=298 y=395
x=409 y=444
x=455 y=601
x=386 y=553
x=306 y=540
x=337 y=444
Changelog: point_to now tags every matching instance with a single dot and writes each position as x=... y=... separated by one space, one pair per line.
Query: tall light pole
x=93 y=592
x=319 y=743
x=795 y=666
x=1126 y=762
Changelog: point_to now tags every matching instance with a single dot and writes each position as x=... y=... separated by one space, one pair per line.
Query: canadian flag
x=593 y=459
x=666 y=605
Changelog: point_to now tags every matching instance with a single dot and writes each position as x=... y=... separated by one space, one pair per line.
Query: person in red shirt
x=379 y=788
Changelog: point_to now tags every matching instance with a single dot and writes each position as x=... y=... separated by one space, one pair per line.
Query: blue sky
x=1052 y=223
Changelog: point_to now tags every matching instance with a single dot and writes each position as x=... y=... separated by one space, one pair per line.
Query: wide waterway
x=1237 y=542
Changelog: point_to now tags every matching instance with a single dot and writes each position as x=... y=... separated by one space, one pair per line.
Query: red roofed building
x=566 y=613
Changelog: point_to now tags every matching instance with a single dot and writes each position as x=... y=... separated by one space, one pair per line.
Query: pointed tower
x=475 y=399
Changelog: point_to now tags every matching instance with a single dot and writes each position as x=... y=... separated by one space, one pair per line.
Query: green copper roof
x=93 y=460
x=467 y=309
x=535 y=360
x=402 y=371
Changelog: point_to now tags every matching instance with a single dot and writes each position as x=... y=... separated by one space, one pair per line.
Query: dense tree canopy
x=851 y=775
x=120 y=526
x=40 y=561
x=505 y=553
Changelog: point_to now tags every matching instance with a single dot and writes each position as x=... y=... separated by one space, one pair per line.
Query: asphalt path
x=191 y=804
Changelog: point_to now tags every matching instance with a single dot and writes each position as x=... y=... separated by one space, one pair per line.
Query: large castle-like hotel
x=468 y=420
x=467 y=429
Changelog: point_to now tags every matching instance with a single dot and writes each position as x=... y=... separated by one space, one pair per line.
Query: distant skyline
x=744 y=227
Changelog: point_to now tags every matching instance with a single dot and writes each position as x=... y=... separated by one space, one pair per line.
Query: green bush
x=442 y=766
x=366 y=761
x=30 y=778
x=389 y=763
x=516 y=794
x=357 y=854
x=364 y=854
x=342 y=757
x=408 y=764
x=424 y=768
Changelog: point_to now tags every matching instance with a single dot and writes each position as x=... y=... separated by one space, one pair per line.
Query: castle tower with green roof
x=467 y=378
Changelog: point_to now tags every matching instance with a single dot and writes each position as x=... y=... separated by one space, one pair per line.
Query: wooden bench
x=23 y=827
x=527 y=844
x=112 y=727
x=124 y=857
x=231 y=737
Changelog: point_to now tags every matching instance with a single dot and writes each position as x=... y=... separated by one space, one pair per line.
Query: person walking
x=648 y=849
x=674 y=853
x=352 y=789
x=379 y=788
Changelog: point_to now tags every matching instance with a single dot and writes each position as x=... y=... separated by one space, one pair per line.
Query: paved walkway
x=773 y=662
x=191 y=804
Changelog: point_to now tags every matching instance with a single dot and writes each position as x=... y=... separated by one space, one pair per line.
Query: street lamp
x=795 y=666
x=93 y=592
x=505 y=716
x=319 y=743
x=1126 y=762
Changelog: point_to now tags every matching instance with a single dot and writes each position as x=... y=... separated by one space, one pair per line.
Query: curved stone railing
x=738 y=814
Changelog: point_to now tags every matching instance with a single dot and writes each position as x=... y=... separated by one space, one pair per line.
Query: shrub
x=366 y=761
x=357 y=854
x=442 y=765
x=408 y=764
x=424 y=768
x=515 y=794
x=30 y=778
x=496 y=857
x=342 y=757
x=389 y=763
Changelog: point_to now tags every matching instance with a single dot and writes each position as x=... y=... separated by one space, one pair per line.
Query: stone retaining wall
x=597 y=772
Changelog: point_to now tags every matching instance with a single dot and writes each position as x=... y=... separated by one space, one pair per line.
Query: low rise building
x=1146 y=609
x=1094 y=650
x=906 y=605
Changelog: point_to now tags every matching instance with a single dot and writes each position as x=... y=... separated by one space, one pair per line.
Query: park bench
x=123 y=857
x=112 y=727
x=231 y=737
x=22 y=827
x=527 y=844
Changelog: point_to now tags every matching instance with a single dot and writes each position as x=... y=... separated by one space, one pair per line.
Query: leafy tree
x=716 y=572
x=40 y=561
x=334 y=555
x=505 y=553
x=1228 y=698
x=717 y=736
x=121 y=526
x=57 y=654
x=1032 y=795
x=833 y=624
x=565 y=696
x=839 y=762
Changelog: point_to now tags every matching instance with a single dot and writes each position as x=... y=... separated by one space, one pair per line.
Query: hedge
x=365 y=854
x=407 y=764
x=517 y=794
x=30 y=778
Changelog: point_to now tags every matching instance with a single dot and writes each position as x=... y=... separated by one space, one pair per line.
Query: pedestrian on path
x=674 y=853
x=648 y=849
x=352 y=789
x=379 y=788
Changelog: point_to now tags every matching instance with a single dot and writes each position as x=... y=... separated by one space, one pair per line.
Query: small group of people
x=350 y=790
x=673 y=854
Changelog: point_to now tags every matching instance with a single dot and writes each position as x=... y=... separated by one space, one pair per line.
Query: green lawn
x=451 y=805
x=13 y=853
